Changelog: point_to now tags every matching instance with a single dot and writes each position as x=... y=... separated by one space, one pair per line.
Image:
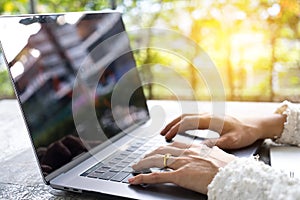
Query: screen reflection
x=44 y=69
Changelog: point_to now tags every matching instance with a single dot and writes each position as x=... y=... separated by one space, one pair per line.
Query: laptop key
x=140 y=151
x=128 y=169
x=144 y=171
x=94 y=175
x=135 y=155
x=125 y=180
x=102 y=170
x=125 y=162
x=116 y=169
x=125 y=154
x=107 y=175
x=90 y=170
x=120 y=176
x=122 y=165
x=118 y=158
x=108 y=166
x=129 y=160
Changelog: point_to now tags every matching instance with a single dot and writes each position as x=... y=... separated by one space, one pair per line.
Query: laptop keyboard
x=117 y=167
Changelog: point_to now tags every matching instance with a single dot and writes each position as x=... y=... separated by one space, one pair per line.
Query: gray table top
x=19 y=174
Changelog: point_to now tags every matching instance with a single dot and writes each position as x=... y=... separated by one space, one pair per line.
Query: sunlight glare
x=35 y=53
x=274 y=10
x=17 y=70
x=11 y=38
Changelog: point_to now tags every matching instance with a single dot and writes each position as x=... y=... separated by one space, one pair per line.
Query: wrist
x=271 y=126
x=291 y=133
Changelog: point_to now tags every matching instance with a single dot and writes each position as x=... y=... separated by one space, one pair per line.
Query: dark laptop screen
x=44 y=65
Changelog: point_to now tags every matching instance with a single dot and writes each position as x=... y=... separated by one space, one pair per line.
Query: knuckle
x=231 y=139
x=184 y=115
x=181 y=161
x=156 y=151
x=155 y=176
x=188 y=152
x=140 y=178
x=185 y=118
x=159 y=149
x=185 y=122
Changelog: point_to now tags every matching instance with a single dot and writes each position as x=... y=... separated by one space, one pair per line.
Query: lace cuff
x=291 y=133
x=245 y=178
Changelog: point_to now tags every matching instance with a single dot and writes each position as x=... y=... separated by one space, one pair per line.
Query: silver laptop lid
x=44 y=60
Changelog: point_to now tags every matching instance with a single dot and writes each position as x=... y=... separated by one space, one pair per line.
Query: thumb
x=223 y=143
x=210 y=142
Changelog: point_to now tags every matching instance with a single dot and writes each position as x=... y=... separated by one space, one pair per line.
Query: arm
x=255 y=179
x=196 y=166
x=216 y=173
x=246 y=178
x=236 y=133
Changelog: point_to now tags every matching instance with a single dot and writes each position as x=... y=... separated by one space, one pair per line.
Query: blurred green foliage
x=255 y=44
x=6 y=89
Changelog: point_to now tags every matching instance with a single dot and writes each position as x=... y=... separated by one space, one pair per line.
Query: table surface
x=19 y=173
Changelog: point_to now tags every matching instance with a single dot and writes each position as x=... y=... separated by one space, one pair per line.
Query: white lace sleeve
x=291 y=131
x=246 y=178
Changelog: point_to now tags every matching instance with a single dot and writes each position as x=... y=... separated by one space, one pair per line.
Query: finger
x=173 y=131
x=157 y=161
x=172 y=123
x=183 y=145
x=210 y=142
x=156 y=177
x=179 y=149
x=216 y=123
x=220 y=156
x=175 y=151
x=193 y=149
x=192 y=121
x=188 y=123
x=207 y=121
x=149 y=162
x=222 y=143
x=180 y=145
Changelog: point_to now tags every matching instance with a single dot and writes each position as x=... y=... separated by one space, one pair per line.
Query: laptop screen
x=46 y=55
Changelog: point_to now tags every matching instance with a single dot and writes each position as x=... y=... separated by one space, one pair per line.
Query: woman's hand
x=192 y=166
x=234 y=133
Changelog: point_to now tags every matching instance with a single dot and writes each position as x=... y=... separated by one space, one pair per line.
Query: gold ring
x=166 y=157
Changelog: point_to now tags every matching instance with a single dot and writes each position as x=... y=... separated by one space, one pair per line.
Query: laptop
x=286 y=159
x=82 y=100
